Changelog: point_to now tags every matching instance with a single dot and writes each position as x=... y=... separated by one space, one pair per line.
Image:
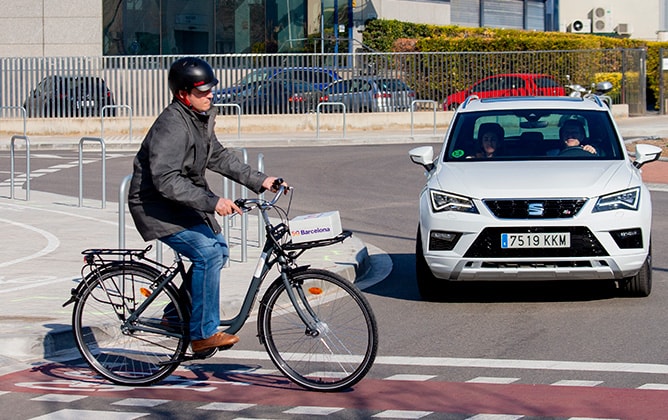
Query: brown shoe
x=219 y=339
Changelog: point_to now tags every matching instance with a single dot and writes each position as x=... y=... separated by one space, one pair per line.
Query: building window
x=152 y=27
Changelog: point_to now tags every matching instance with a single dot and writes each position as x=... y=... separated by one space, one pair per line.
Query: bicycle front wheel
x=129 y=353
x=339 y=351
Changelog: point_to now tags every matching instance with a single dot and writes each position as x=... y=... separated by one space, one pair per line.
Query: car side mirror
x=423 y=155
x=646 y=153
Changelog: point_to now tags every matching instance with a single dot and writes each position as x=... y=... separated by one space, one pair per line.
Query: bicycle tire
x=129 y=356
x=343 y=350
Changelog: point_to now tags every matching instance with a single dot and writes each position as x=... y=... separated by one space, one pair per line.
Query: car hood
x=545 y=179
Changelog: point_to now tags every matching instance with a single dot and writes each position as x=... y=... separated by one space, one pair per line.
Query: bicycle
x=130 y=321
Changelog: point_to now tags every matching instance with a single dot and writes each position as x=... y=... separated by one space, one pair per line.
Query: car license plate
x=85 y=104
x=536 y=240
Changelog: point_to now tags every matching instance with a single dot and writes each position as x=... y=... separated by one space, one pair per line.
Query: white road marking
x=58 y=398
x=313 y=411
x=492 y=380
x=407 y=377
x=140 y=402
x=52 y=243
x=401 y=414
x=89 y=414
x=656 y=387
x=488 y=363
x=568 y=382
x=222 y=406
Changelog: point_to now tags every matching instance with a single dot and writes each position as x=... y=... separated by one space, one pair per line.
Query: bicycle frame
x=272 y=253
x=272 y=247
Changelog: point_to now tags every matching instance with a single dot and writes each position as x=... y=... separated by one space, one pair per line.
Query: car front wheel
x=429 y=286
x=640 y=285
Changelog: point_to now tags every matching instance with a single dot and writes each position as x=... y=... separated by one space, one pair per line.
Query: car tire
x=430 y=287
x=639 y=285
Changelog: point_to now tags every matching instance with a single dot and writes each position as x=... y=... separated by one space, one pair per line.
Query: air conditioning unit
x=601 y=20
x=624 y=29
x=579 y=26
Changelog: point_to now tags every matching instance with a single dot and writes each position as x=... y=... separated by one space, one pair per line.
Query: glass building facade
x=153 y=27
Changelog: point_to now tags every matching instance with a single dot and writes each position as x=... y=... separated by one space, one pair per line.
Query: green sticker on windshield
x=457 y=153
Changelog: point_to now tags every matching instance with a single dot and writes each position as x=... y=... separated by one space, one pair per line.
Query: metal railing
x=238 y=113
x=434 y=105
x=103 y=113
x=104 y=168
x=330 y=105
x=11 y=165
x=431 y=75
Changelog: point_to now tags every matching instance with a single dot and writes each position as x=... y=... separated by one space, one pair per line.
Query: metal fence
x=139 y=83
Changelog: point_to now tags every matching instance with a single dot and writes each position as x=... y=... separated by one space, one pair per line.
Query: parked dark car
x=368 y=94
x=273 y=97
x=316 y=77
x=69 y=96
x=513 y=84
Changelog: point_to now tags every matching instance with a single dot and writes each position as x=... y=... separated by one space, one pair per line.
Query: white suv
x=537 y=207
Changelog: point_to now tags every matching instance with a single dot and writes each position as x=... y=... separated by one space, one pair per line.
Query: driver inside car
x=572 y=134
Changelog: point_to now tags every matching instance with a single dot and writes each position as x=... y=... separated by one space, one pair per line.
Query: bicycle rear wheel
x=140 y=353
x=343 y=347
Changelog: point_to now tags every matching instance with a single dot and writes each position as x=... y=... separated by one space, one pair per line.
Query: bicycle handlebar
x=242 y=203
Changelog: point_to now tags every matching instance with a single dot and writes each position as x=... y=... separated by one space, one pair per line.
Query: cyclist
x=170 y=200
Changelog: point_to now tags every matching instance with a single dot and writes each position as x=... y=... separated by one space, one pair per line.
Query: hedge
x=387 y=36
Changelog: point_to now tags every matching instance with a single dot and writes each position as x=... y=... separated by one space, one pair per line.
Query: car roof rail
x=596 y=99
x=469 y=99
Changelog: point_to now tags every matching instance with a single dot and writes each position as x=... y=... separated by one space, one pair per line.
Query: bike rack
x=238 y=115
x=11 y=164
x=323 y=104
x=122 y=196
x=24 y=115
x=104 y=108
x=423 y=101
x=227 y=220
x=261 y=234
x=104 y=168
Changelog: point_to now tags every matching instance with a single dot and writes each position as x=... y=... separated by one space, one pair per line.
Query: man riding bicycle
x=170 y=200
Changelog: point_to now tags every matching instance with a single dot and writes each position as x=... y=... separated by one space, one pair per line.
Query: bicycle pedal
x=227 y=347
x=204 y=354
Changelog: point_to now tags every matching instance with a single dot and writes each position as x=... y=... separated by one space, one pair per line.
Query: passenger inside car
x=490 y=140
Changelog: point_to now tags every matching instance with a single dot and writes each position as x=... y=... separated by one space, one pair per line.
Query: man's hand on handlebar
x=273 y=184
x=225 y=207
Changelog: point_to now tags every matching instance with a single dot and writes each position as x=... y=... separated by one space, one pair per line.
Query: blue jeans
x=208 y=253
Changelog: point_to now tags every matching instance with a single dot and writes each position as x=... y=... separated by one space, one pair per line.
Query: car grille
x=535 y=209
x=488 y=244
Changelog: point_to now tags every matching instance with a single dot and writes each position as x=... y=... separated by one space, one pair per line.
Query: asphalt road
x=583 y=330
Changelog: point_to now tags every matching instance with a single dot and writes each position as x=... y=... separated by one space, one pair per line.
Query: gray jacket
x=168 y=192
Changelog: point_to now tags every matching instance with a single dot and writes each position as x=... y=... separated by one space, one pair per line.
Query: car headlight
x=442 y=201
x=622 y=200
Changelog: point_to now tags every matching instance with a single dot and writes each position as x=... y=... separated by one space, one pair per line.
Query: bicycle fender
x=76 y=292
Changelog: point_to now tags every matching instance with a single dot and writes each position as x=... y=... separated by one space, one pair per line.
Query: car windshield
x=532 y=135
x=391 y=85
x=256 y=76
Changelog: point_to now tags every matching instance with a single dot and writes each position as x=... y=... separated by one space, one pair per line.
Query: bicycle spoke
x=135 y=354
x=341 y=349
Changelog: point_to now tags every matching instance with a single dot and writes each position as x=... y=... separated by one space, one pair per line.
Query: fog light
x=628 y=238
x=443 y=241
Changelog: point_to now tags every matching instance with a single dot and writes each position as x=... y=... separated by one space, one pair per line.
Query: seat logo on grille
x=535 y=209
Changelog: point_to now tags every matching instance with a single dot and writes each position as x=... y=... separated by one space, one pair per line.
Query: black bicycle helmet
x=191 y=72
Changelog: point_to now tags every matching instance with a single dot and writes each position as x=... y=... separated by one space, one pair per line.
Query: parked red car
x=513 y=84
